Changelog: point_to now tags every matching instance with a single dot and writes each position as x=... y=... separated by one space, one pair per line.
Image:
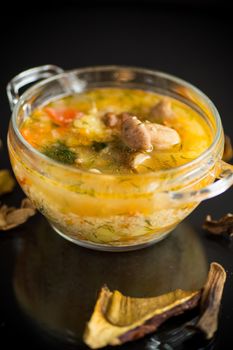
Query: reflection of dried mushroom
x=228 y=150
x=211 y=300
x=7 y=182
x=11 y=217
x=118 y=319
x=221 y=226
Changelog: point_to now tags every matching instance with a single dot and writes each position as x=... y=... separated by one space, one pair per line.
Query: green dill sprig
x=60 y=152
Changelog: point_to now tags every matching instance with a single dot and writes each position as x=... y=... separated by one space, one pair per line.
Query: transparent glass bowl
x=112 y=212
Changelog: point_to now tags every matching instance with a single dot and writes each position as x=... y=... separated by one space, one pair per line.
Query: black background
x=189 y=39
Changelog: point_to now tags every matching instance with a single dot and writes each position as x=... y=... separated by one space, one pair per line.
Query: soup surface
x=111 y=130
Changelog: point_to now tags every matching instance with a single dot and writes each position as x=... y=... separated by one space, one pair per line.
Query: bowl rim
x=163 y=172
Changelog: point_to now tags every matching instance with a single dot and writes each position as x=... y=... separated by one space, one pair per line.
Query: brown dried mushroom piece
x=219 y=227
x=228 y=150
x=211 y=300
x=118 y=319
x=7 y=182
x=11 y=217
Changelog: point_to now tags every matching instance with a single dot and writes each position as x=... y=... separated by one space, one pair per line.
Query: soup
x=118 y=131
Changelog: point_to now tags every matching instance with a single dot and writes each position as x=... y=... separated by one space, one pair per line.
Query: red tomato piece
x=63 y=116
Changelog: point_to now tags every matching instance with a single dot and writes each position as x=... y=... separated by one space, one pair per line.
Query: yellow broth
x=72 y=131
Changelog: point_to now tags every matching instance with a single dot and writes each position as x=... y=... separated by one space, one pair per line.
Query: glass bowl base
x=114 y=248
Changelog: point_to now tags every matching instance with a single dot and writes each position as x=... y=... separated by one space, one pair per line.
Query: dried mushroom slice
x=11 y=217
x=117 y=319
x=7 y=182
x=219 y=227
x=211 y=300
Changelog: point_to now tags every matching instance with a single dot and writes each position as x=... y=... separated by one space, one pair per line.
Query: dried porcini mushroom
x=228 y=150
x=7 y=182
x=11 y=217
x=117 y=319
x=219 y=227
x=211 y=300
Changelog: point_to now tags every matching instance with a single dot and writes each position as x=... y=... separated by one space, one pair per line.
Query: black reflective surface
x=47 y=285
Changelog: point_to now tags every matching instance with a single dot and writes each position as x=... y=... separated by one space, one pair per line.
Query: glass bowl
x=112 y=212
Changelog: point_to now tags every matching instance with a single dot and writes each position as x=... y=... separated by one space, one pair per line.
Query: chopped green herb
x=148 y=228
x=88 y=222
x=148 y=222
x=147 y=167
x=106 y=227
x=173 y=159
x=186 y=158
x=60 y=152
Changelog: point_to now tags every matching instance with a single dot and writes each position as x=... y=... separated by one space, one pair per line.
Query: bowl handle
x=27 y=77
x=221 y=185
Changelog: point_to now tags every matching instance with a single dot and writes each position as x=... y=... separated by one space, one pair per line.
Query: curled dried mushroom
x=211 y=300
x=118 y=319
x=11 y=217
x=219 y=227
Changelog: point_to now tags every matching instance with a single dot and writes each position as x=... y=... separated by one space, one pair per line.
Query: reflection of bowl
x=113 y=212
x=56 y=283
